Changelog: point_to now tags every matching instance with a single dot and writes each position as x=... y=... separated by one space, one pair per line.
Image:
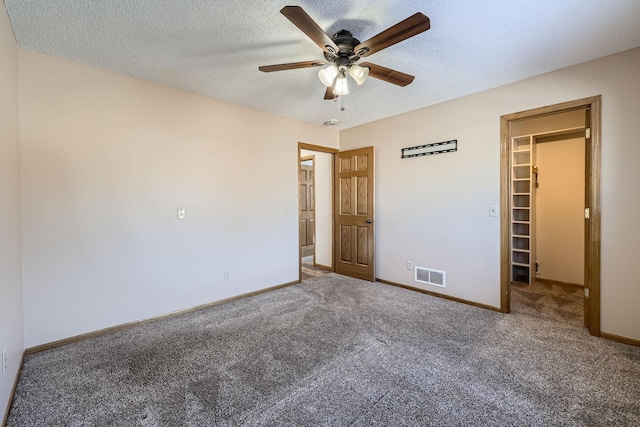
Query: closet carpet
x=550 y=301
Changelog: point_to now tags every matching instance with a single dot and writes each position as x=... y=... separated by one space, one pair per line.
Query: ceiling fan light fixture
x=328 y=75
x=359 y=73
x=341 y=85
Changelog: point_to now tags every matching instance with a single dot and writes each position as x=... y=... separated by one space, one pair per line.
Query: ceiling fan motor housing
x=346 y=43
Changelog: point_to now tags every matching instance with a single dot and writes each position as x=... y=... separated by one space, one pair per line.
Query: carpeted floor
x=335 y=351
x=561 y=303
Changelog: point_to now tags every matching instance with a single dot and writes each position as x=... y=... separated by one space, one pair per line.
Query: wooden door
x=354 y=215
x=307 y=207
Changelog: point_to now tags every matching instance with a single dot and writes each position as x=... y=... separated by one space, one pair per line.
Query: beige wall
x=322 y=169
x=11 y=332
x=559 y=200
x=435 y=210
x=106 y=162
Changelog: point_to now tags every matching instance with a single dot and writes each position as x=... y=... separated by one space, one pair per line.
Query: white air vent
x=431 y=277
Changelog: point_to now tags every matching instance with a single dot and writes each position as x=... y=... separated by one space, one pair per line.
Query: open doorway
x=550 y=221
x=315 y=201
x=547 y=222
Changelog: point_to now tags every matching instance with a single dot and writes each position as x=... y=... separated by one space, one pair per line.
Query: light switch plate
x=181 y=213
x=493 y=210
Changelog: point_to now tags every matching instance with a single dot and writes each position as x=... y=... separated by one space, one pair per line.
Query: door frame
x=592 y=201
x=319 y=149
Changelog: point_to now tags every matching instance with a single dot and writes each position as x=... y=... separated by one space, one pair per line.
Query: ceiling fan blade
x=387 y=74
x=300 y=19
x=329 y=93
x=290 y=66
x=403 y=30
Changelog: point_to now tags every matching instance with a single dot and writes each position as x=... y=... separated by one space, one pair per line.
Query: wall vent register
x=430 y=277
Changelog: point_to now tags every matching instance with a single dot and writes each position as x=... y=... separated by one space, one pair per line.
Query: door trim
x=592 y=200
x=319 y=149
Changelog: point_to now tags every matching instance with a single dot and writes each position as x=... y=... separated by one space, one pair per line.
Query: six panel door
x=354 y=228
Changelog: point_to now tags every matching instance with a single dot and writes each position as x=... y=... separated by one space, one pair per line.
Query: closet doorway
x=550 y=221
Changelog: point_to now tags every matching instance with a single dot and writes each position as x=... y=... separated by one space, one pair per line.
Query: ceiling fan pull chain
x=342 y=100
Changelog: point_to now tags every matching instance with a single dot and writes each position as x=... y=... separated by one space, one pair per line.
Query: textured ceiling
x=214 y=47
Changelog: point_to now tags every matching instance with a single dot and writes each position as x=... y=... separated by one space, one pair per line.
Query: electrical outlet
x=227 y=275
x=4 y=360
x=409 y=265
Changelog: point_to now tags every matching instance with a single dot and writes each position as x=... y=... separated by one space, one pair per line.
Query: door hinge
x=587 y=213
x=586 y=292
x=587 y=133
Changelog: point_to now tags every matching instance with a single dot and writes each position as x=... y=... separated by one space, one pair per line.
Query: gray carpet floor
x=335 y=351
x=550 y=301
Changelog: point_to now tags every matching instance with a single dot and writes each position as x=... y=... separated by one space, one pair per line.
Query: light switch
x=493 y=210
x=181 y=212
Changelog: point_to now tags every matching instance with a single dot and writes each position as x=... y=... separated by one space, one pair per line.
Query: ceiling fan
x=343 y=51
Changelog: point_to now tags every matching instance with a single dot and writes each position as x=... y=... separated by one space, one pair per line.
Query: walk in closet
x=523 y=184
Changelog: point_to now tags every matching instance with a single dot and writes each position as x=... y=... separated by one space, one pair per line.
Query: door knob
x=369 y=221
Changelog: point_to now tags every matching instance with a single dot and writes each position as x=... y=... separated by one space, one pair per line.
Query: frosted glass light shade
x=328 y=75
x=341 y=85
x=359 y=73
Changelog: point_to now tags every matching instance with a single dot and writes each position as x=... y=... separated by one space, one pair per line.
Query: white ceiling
x=214 y=47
